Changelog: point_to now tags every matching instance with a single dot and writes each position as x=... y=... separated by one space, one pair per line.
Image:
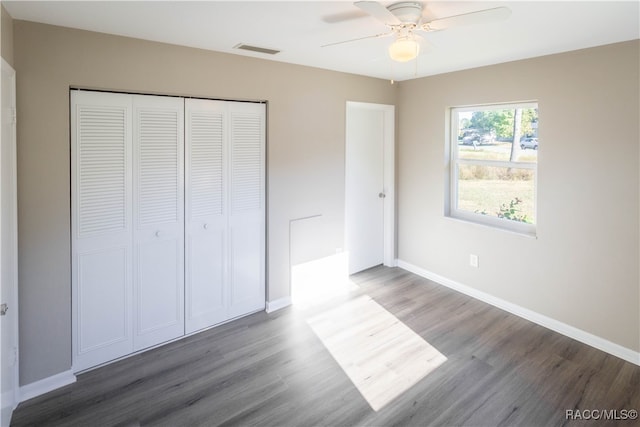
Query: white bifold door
x=127 y=223
x=225 y=227
x=101 y=227
x=158 y=214
x=128 y=219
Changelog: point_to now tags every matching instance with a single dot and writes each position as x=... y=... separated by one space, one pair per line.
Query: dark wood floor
x=272 y=370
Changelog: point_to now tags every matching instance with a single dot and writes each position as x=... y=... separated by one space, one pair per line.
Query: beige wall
x=583 y=267
x=306 y=111
x=7 y=36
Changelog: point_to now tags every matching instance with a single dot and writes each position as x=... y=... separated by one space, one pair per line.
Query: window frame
x=453 y=163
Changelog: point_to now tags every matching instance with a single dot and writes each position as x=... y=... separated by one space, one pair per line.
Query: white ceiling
x=299 y=28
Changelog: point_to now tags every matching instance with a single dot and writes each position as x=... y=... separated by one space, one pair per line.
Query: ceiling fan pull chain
x=392 y=73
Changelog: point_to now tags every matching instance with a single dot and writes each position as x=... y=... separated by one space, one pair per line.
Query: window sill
x=497 y=224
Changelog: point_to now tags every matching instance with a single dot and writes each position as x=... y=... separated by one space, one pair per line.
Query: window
x=494 y=158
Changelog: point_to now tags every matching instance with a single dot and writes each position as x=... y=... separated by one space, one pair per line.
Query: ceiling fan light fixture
x=404 y=49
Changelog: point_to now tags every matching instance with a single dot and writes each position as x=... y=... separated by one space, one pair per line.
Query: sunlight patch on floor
x=317 y=281
x=381 y=355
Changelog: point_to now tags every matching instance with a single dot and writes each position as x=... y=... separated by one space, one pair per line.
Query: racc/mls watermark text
x=601 y=414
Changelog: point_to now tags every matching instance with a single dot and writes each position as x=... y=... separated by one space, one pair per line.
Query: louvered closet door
x=206 y=213
x=247 y=207
x=158 y=143
x=101 y=202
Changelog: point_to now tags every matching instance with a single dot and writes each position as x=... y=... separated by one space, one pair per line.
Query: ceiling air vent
x=256 y=49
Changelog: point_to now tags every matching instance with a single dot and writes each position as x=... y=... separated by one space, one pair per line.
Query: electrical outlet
x=473 y=260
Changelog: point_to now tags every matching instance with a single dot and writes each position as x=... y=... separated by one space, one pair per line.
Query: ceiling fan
x=405 y=18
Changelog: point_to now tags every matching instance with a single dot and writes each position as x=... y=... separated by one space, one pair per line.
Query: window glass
x=494 y=156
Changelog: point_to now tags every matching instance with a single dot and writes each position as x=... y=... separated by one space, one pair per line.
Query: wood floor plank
x=290 y=368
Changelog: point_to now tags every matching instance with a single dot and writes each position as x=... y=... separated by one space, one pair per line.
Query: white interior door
x=8 y=250
x=101 y=227
x=206 y=213
x=369 y=185
x=158 y=238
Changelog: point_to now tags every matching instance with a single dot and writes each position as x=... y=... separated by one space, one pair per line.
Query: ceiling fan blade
x=359 y=38
x=378 y=11
x=344 y=16
x=471 y=18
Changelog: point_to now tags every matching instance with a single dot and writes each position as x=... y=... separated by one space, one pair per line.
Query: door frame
x=8 y=119
x=389 y=205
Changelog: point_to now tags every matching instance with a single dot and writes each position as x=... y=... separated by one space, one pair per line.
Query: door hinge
x=14 y=116
x=3 y=309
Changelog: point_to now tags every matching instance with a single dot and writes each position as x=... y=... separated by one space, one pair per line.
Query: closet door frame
x=130 y=339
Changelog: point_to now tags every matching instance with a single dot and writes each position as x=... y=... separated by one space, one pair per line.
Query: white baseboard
x=278 y=304
x=46 y=385
x=542 y=320
x=8 y=396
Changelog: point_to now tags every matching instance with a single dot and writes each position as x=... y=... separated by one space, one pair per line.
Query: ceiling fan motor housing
x=408 y=12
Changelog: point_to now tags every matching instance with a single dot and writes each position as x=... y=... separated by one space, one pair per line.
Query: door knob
x=382 y=195
x=158 y=233
x=206 y=226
